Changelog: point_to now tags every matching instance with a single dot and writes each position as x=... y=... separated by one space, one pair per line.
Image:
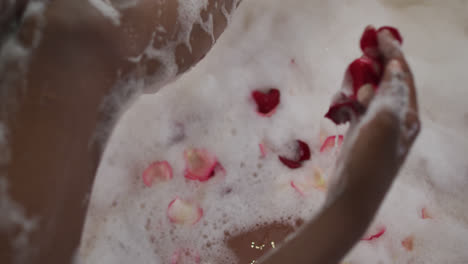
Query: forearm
x=345 y=217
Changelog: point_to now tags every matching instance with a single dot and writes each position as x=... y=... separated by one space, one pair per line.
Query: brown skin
x=342 y=223
x=52 y=119
x=51 y=173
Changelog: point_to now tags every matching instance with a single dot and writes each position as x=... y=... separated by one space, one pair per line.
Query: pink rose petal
x=199 y=164
x=425 y=214
x=309 y=182
x=329 y=143
x=184 y=212
x=262 y=150
x=157 y=172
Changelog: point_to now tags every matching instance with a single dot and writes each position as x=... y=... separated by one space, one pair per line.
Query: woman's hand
x=376 y=146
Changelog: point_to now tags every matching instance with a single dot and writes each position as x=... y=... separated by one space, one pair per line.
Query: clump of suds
x=14 y=55
x=13 y=217
x=106 y=8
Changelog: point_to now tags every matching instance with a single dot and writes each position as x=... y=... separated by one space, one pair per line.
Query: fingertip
x=389 y=46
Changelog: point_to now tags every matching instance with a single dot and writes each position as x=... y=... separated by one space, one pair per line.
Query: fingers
x=390 y=50
x=398 y=83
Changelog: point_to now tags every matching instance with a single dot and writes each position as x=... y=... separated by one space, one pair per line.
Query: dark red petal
x=341 y=113
x=369 y=42
x=303 y=154
x=363 y=72
x=396 y=34
x=304 y=150
x=266 y=102
x=290 y=163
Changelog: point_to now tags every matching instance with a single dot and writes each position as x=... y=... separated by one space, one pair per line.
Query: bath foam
x=212 y=104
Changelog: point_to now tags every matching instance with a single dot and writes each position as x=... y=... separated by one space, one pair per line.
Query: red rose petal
x=290 y=163
x=329 y=143
x=363 y=72
x=304 y=151
x=369 y=42
x=157 y=172
x=183 y=212
x=302 y=154
x=376 y=235
x=341 y=113
x=396 y=34
x=199 y=164
x=266 y=102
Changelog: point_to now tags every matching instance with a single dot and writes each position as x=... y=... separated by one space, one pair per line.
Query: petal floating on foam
x=199 y=164
x=310 y=182
x=408 y=243
x=157 y=172
x=425 y=214
x=363 y=72
x=302 y=154
x=267 y=102
x=262 y=150
x=330 y=143
x=379 y=233
x=342 y=112
x=184 y=212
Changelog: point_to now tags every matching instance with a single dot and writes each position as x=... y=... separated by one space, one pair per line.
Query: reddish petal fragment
x=199 y=164
x=183 y=212
x=376 y=235
x=298 y=187
x=290 y=163
x=396 y=34
x=369 y=42
x=408 y=243
x=363 y=72
x=266 y=102
x=262 y=150
x=341 y=113
x=425 y=214
x=157 y=172
x=329 y=143
x=309 y=182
